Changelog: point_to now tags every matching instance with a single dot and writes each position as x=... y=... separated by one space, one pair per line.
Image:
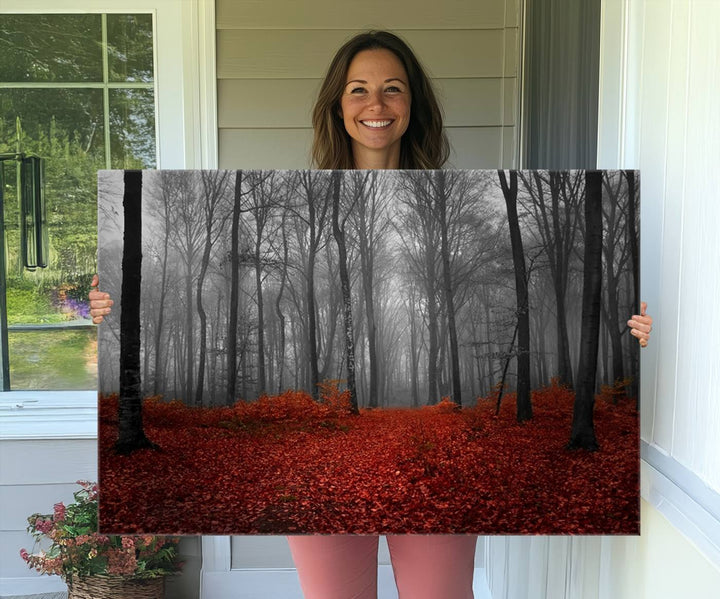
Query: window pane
x=53 y=359
x=51 y=119
x=132 y=128
x=50 y=48
x=65 y=127
x=130 y=47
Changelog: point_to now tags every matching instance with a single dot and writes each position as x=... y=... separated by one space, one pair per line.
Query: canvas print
x=369 y=352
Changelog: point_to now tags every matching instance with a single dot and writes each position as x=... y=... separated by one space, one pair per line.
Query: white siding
x=34 y=475
x=660 y=84
x=669 y=127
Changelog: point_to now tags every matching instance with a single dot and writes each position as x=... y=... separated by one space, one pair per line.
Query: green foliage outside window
x=82 y=89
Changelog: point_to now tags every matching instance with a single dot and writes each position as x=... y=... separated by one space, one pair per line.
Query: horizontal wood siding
x=47 y=462
x=306 y=54
x=471 y=147
x=271 y=58
x=400 y=14
x=34 y=476
x=287 y=103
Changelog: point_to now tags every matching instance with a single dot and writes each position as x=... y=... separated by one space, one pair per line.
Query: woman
x=377 y=110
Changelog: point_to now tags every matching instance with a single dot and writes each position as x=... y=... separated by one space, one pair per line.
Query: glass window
x=77 y=90
x=129 y=43
x=43 y=48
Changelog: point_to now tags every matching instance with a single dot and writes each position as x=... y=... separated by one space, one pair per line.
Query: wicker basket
x=116 y=587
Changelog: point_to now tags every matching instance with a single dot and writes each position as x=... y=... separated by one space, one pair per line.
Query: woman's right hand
x=100 y=302
x=641 y=325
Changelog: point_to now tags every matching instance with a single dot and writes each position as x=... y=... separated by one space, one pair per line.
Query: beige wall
x=271 y=57
x=660 y=564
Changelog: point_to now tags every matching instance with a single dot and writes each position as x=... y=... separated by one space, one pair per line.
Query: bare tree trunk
x=524 y=406
x=612 y=290
x=146 y=358
x=234 y=282
x=167 y=196
x=441 y=207
x=614 y=328
x=216 y=369
x=312 y=325
x=414 y=356
x=604 y=348
x=488 y=334
x=261 y=319
x=339 y=234
x=556 y=224
x=280 y=315
x=131 y=435
x=366 y=266
x=213 y=184
x=159 y=351
x=333 y=317
x=366 y=215
x=316 y=221
x=433 y=350
x=560 y=280
x=583 y=433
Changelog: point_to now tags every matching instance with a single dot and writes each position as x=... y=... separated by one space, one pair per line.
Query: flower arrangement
x=78 y=550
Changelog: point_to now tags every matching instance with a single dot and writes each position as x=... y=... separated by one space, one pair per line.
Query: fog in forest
x=254 y=282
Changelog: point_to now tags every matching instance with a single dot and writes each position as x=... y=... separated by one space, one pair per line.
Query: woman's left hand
x=641 y=325
x=100 y=302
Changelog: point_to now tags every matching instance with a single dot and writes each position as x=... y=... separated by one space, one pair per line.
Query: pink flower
x=24 y=554
x=53 y=565
x=44 y=526
x=121 y=562
x=128 y=543
x=59 y=509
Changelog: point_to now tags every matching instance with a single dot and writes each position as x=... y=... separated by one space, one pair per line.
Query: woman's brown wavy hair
x=424 y=144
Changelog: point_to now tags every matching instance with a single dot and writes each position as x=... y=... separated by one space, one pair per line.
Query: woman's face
x=375 y=108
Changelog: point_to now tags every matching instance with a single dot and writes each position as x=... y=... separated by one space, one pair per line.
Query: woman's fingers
x=642 y=337
x=641 y=325
x=100 y=302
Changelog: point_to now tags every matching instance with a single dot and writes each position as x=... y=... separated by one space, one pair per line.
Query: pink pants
x=345 y=566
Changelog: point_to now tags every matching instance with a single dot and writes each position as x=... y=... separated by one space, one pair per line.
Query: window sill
x=683 y=498
x=35 y=587
x=48 y=415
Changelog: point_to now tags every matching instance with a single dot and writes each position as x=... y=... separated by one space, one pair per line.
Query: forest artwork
x=369 y=352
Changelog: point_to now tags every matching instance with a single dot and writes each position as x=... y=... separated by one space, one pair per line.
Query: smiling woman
x=375 y=77
x=375 y=108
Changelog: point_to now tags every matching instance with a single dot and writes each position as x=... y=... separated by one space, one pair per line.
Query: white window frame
x=186 y=130
x=677 y=492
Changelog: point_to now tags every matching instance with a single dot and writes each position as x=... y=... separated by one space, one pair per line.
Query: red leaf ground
x=290 y=467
